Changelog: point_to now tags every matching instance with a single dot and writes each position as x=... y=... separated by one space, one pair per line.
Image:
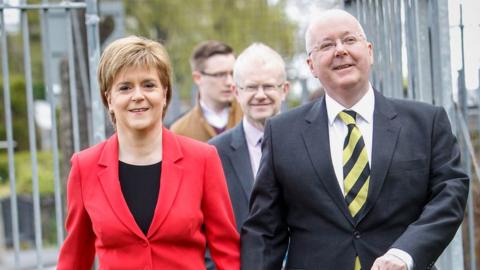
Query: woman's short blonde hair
x=133 y=51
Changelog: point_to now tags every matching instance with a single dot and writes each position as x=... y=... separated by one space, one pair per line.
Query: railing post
x=93 y=41
x=10 y=143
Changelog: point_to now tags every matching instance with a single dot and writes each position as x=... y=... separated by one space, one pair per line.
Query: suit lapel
x=316 y=138
x=385 y=135
x=108 y=177
x=240 y=160
x=170 y=180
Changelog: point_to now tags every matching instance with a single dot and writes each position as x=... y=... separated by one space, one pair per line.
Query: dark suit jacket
x=416 y=198
x=193 y=207
x=233 y=151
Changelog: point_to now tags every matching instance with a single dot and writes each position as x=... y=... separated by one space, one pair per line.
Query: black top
x=140 y=186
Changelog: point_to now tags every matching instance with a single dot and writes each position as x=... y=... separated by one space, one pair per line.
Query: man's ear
x=285 y=89
x=196 y=76
x=370 y=51
x=234 y=90
x=310 y=65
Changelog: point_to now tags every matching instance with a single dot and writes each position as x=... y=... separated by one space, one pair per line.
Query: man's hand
x=389 y=262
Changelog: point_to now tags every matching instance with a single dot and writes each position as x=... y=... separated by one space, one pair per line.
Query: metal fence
x=412 y=54
x=47 y=13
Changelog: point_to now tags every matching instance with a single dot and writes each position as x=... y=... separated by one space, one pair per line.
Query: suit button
x=145 y=244
x=356 y=234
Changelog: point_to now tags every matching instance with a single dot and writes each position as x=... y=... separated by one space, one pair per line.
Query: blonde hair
x=258 y=54
x=133 y=51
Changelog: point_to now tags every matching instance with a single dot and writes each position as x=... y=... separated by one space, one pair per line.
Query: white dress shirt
x=253 y=136
x=218 y=120
x=337 y=131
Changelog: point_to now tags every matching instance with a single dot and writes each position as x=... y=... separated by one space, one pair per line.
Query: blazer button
x=356 y=234
x=145 y=244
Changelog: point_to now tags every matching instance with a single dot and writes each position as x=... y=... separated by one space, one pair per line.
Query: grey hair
x=325 y=15
x=260 y=54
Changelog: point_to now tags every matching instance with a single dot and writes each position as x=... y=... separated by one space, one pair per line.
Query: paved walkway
x=28 y=259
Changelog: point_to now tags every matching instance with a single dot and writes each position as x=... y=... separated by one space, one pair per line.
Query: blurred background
x=49 y=108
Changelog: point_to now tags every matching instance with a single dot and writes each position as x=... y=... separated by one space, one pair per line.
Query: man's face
x=260 y=91
x=340 y=56
x=215 y=80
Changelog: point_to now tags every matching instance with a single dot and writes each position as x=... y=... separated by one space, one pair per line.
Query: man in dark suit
x=260 y=86
x=354 y=180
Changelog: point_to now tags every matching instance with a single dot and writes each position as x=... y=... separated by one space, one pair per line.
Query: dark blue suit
x=233 y=151
x=415 y=203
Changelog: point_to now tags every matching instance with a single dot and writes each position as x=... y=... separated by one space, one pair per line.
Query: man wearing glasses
x=260 y=87
x=216 y=110
x=354 y=180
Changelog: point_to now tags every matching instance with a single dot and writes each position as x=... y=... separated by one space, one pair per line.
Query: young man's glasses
x=218 y=75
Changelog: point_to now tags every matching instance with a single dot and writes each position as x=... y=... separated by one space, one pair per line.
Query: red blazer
x=193 y=208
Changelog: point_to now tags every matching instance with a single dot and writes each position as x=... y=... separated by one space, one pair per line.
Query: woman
x=145 y=198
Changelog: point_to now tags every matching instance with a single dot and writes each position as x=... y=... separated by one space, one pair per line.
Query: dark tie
x=259 y=142
x=356 y=171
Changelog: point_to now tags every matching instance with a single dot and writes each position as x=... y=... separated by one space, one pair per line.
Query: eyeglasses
x=330 y=45
x=267 y=88
x=219 y=75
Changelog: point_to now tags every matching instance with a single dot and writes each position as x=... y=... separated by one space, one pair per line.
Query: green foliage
x=181 y=26
x=16 y=52
x=23 y=173
x=39 y=91
x=292 y=103
x=19 y=112
x=17 y=82
x=18 y=105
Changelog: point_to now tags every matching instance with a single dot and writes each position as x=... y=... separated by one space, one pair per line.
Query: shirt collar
x=364 y=107
x=252 y=134
x=218 y=120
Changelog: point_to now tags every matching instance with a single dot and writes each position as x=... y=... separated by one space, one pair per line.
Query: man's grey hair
x=257 y=54
x=322 y=16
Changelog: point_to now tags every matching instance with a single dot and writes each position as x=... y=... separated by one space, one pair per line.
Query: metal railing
x=44 y=11
x=412 y=55
x=412 y=43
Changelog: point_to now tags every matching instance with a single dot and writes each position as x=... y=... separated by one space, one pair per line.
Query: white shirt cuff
x=402 y=255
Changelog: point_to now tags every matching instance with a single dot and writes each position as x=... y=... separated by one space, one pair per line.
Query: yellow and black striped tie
x=356 y=171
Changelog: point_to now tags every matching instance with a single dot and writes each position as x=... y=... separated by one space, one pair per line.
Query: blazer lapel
x=172 y=174
x=240 y=160
x=385 y=135
x=316 y=138
x=108 y=177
